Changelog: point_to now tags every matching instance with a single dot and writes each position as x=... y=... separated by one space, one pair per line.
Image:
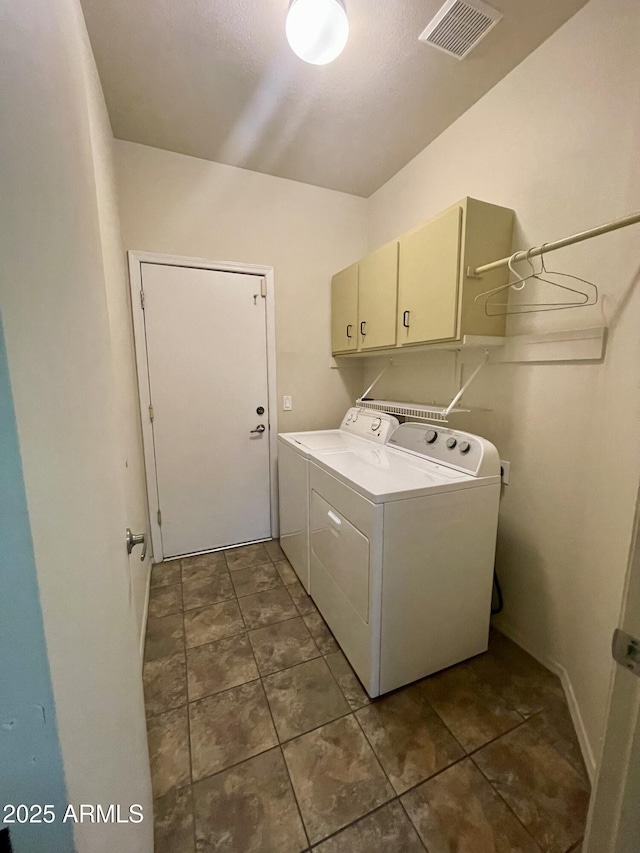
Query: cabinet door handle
x=405 y=319
x=362 y=331
x=350 y=326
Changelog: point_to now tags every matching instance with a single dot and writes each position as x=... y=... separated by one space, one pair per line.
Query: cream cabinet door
x=344 y=310
x=378 y=298
x=428 y=281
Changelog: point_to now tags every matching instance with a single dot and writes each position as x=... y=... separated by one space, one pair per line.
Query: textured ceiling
x=216 y=79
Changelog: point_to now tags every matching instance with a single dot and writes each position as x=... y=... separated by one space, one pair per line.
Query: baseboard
x=145 y=613
x=563 y=675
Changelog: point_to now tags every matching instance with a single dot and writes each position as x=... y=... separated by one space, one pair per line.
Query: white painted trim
x=135 y=285
x=568 y=345
x=145 y=612
x=273 y=398
x=135 y=282
x=567 y=686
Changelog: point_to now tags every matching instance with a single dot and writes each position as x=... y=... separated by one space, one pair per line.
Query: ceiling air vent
x=459 y=26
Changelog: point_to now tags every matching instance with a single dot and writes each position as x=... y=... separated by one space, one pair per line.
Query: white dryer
x=359 y=427
x=402 y=547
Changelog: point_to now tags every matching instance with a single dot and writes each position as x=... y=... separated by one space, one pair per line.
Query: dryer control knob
x=465 y=447
x=431 y=436
x=376 y=424
x=451 y=443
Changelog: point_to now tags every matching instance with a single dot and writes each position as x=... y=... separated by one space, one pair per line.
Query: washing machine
x=402 y=547
x=359 y=427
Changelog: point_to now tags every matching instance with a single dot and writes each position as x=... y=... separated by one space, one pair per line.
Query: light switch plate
x=287 y=404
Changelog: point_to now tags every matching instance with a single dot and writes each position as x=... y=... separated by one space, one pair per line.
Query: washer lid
x=382 y=474
x=328 y=439
x=357 y=426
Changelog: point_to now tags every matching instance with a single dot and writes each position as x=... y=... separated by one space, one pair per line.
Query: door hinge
x=151 y=413
x=263 y=288
x=626 y=650
x=159 y=518
x=142 y=298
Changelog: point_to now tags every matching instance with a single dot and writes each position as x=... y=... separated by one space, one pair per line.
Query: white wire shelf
x=419 y=411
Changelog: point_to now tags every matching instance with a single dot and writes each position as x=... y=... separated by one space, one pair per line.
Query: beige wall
x=58 y=247
x=174 y=204
x=557 y=140
x=125 y=383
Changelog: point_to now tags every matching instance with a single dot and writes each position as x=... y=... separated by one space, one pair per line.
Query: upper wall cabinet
x=377 y=298
x=435 y=298
x=429 y=279
x=344 y=310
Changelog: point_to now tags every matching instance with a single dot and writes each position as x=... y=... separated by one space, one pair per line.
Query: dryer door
x=340 y=586
x=343 y=552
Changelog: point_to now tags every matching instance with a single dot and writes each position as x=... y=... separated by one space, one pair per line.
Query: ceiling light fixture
x=317 y=30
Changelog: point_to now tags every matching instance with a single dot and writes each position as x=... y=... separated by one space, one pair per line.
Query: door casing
x=136 y=259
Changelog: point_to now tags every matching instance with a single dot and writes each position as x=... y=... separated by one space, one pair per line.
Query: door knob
x=134 y=539
x=259 y=429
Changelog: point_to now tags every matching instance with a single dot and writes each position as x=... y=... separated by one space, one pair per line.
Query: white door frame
x=136 y=259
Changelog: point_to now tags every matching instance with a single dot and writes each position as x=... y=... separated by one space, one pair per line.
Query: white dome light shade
x=317 y=30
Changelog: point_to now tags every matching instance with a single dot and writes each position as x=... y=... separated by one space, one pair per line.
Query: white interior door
x=614 y=819
x=206 y=350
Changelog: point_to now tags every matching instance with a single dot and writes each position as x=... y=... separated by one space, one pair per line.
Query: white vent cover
x=460 y=25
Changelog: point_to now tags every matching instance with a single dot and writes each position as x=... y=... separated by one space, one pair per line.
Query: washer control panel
x=460 y=450
x=367 y=423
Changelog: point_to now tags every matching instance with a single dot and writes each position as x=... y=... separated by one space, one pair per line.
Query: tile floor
x=263 y=741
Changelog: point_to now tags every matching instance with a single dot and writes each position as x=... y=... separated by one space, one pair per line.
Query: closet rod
x=632 y=219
